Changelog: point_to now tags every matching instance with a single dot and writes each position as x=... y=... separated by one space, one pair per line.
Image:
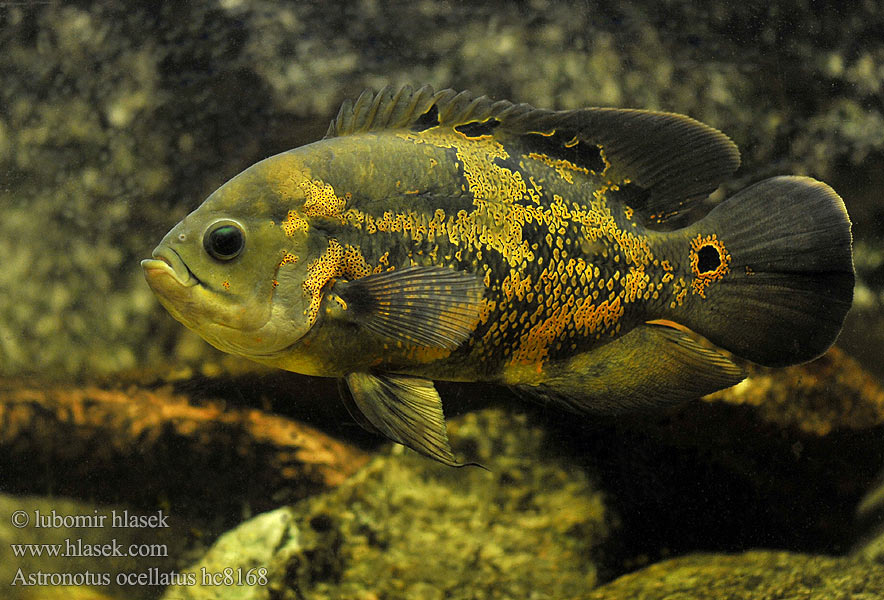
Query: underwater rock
x=749 y=576
x=248 y=554
x=829 y=393
x=157 y=442
x=406 y=527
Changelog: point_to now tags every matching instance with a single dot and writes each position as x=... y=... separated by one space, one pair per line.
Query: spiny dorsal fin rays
x=390 y=109
x=672 y=161
x=384 y=110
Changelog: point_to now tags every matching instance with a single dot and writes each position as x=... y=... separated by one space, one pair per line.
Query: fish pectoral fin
x=422 y=306
x=651 y=365
x=407 y=410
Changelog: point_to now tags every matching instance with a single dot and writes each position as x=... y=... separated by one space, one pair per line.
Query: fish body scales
x=564 y=264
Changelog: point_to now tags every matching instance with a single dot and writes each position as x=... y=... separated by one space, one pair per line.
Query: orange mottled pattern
x=320 y=271
x=564 y=265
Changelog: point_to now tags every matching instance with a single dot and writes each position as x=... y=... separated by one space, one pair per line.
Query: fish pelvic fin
x=771 y=272
x=407 y=410
x=652 y=365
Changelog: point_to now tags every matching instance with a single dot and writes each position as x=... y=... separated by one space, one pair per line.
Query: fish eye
x=224 y=241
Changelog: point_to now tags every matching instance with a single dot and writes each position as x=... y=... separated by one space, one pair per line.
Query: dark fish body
x=571 y=255
x=565 y=268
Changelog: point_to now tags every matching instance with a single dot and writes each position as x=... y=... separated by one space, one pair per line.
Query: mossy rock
x=749 y=576
x=405 y=528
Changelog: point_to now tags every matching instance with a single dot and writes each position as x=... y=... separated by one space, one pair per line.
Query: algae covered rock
x=825 y=395
x=749 y=576
x=405 y=527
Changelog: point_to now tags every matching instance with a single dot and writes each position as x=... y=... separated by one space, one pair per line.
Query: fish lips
x=174 y=285
x=167 y=263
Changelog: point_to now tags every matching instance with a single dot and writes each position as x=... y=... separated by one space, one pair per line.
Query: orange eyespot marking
x=274 y=282
x=710 y=262
x=226 y=285
x=294 y=223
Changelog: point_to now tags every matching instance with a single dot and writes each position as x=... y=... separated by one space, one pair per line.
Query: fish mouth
x=166 y=261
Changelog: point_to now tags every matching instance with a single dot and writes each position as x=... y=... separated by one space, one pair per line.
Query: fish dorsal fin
x=388 y=109
x=664 y=164
x=419 y=109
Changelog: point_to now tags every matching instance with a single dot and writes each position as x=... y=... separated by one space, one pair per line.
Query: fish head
x=241 y=269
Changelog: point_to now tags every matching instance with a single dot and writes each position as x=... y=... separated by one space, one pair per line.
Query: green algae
x=750 y=576
x=407 y=528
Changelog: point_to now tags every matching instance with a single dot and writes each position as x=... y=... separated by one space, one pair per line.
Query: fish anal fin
x=407 y=410
x=651 y=365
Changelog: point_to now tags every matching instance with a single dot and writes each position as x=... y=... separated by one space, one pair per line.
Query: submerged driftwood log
x=146 y=445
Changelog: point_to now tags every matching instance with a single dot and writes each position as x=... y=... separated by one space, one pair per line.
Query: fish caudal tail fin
x=771 y=272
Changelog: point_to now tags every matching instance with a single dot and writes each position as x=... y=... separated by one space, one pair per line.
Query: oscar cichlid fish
x=571 y=255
